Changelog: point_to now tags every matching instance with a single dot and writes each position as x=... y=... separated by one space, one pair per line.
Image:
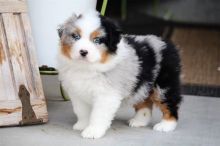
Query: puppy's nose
x=83 y=53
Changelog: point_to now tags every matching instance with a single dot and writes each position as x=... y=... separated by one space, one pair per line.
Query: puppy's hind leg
x=169 y=107
x=143 y=113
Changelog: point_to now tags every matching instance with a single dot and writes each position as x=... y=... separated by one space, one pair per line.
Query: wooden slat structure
x=18 y=64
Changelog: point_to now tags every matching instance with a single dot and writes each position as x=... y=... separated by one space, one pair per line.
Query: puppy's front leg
x=103 y=112
x=82 y=111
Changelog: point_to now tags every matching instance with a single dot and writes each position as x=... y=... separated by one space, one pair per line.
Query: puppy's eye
x=76 y=37
x=97 y=40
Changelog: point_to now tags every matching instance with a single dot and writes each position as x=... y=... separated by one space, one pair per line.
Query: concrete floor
x=198 y=126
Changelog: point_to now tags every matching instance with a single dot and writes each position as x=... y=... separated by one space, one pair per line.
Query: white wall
x=45 y=16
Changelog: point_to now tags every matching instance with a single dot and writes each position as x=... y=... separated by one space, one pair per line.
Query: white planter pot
x=45 y=16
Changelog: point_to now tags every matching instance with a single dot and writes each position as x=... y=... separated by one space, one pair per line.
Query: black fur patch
x=113 y=34
x=147 y=61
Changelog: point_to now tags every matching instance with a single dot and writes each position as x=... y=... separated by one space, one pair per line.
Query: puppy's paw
x=138 y=123
x=165 y=126
x=142 y=118
x=79 y=125
x=93 y=132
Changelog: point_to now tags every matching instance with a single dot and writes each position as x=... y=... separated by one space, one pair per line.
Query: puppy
x=100 y=68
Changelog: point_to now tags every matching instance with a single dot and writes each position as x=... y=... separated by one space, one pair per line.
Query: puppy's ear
x=60 y=30
x=68 y=23
x=72 y=18
x=113 y=33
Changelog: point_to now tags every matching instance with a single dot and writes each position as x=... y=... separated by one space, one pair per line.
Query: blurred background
x=193 y=25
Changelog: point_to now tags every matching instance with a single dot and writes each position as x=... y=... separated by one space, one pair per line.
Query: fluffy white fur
x=141 y=94
x=165 y=126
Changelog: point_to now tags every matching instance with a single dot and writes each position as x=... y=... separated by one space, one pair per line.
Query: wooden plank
x=14 y=50
x=26 y=68
x=200 y=53
x=7 y=90
x=2 y=64
x=2 y=85
x=32 y=55
x=2 y=61
x=13 y=6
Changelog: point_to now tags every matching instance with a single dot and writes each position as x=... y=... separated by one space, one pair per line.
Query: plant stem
x=104 y=5
x=123 y=9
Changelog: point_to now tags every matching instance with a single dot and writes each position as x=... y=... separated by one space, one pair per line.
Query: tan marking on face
x=163 y=107
x=95 y=34
x=104 y=56
x=65 y=49
x=2 y=55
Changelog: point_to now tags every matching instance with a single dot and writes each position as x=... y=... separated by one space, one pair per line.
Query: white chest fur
x=83 y=85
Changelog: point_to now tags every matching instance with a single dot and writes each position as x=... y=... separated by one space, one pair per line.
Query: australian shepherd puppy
x=100 y=68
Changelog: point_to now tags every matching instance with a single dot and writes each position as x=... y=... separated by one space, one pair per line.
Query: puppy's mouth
x=83 y=59
x=86 y=59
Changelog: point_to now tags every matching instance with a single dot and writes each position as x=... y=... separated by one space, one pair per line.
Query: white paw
x=79 y=125
x=165 y=126
x=142 y=118
x=93 y=132
x=138 y=123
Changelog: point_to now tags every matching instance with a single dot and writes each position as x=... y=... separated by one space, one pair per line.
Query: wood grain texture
x=15 y=46
x=24 y=54
x=7 y=89
x=200 y=53
x=32 y=55
x=15 y=6
x=18 y=64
